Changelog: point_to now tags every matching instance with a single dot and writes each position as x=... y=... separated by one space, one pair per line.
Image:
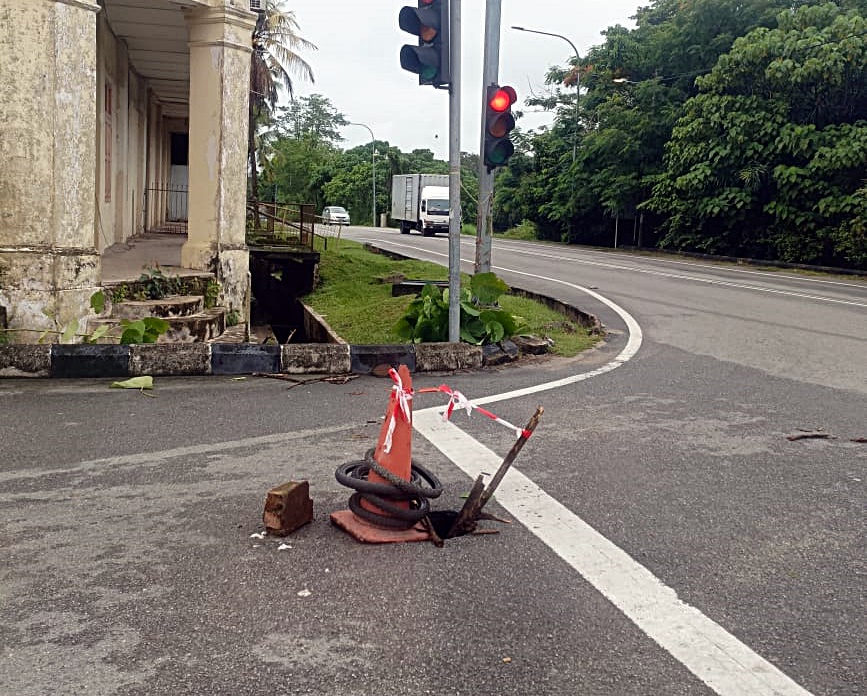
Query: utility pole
x=455 y=172
x=490 y=75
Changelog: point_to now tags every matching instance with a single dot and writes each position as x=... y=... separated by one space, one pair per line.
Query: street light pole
x=577 y=116
x=372 y=161
x=577 y=80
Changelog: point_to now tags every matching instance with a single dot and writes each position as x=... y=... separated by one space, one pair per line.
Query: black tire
x=404 y=227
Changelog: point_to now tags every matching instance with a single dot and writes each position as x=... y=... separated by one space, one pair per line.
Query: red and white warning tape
x=462 y=403
x=457 y=400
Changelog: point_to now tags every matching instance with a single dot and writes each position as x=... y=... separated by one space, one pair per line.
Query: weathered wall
x=219 y=87
x=119 y=206
x=48 y=262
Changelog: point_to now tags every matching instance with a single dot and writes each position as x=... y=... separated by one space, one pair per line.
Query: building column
x=220 y=49
x=49 y=265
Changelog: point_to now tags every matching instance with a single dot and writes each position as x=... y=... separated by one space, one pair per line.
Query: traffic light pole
x=490 y=75
x=455 y=172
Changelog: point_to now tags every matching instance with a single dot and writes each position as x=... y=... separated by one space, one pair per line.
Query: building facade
x=107 y=110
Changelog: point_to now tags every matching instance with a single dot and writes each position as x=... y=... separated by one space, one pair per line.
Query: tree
x=276 y=46
x=299 y=149
x=769 y=159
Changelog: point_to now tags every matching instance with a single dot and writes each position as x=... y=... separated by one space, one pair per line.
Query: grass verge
x=358 y=305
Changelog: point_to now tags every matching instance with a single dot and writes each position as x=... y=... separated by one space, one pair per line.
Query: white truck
x=420 y=202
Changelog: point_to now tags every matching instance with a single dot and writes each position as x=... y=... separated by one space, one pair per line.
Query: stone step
x=193 y=328
x=173 y=306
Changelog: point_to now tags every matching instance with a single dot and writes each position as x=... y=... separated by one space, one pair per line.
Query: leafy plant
x=212 y=293
x=120 y=293
x=146 y=330
x=154 y=284
x=482 y=320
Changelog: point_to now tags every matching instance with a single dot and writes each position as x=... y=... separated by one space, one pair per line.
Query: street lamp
x=372 y=161
x=577 y=112
x=577 y=79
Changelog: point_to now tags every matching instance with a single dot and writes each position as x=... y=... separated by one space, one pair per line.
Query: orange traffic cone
x=394 y=453
x=394 y=449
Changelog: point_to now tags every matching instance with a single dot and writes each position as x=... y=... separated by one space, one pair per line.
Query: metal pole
x=577 y=111
x=372 y=161
x=490 y=73
x=455 y=172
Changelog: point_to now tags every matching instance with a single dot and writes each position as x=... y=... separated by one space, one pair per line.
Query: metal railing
x=281 y=224
x=165 y=208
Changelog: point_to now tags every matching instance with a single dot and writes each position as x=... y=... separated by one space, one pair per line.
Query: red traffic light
x=502 y=99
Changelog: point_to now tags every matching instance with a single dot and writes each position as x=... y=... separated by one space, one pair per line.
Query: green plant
x=154 y=284
x=212 y=293
x=146 y=330
x=120 y=293
x=482 y=320
x=233 y=318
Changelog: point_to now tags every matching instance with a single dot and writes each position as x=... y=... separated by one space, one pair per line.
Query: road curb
x=201 y=359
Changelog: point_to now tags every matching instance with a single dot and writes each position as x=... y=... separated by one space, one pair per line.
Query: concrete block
x=365 y=358
x=326 y=358
x=166 y=359
x=25 y=360
x=438 y=357
x=88 y=360
x=288 y=507
x=492 y=354
x=244 y=358
x=531 y=345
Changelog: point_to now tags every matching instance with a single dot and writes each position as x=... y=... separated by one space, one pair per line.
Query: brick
x=287 y=508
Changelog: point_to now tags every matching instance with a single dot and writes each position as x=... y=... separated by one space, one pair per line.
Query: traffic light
x=499 y=122
x=430 y=58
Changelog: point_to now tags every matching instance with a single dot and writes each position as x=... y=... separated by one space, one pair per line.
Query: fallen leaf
x=143 y=382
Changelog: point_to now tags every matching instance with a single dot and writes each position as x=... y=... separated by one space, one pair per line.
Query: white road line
x=647 y=271
x=713 y=655
x=515 y=245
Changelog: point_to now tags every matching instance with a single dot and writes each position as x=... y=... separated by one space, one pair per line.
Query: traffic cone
x=394 y=449
x=393 y=452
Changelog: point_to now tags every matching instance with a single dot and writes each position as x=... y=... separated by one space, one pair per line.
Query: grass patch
x=361 y=310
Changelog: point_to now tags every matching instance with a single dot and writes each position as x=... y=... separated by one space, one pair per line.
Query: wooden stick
x=510 y=457
x=471 y=512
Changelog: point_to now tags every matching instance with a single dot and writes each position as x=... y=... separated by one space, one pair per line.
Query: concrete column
x=49 y=266
x=220 y=49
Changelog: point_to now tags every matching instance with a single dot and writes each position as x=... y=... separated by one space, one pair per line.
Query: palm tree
x=275 y=58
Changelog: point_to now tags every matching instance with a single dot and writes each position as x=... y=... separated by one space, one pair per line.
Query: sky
x=357 y=63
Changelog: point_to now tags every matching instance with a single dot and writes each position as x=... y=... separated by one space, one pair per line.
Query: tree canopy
x=716 y=126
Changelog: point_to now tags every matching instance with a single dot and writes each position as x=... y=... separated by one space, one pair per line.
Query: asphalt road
x=668 y=537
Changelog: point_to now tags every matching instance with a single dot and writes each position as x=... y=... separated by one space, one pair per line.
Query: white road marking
x=519 y=246
x=647 y=271
x=712 y=654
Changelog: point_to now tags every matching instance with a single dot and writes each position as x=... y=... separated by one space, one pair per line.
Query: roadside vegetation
x=716 y=126
x=354 y=297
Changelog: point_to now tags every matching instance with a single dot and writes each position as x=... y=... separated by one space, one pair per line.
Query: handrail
x=295 y=227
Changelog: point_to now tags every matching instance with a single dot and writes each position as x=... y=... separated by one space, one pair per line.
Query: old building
x=106 y=108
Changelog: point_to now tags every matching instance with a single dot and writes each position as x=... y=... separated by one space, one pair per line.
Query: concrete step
x=173 y=306
x=193 y=328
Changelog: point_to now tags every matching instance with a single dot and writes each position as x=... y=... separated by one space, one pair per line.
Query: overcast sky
x=357 y=63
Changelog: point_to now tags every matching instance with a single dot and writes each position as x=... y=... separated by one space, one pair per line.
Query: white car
x=335 y=215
